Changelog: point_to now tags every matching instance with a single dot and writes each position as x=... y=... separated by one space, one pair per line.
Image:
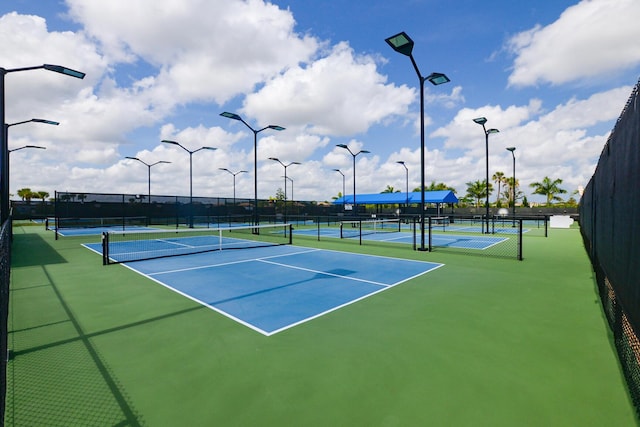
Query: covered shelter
x=443 y=196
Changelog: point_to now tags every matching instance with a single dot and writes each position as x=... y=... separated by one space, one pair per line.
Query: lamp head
x=438 y=79
x=512 y=149
x=48 y=122
x=401 y=43
x=231 y=116
x=480 y=120
x=275 y=127
x=64 y=70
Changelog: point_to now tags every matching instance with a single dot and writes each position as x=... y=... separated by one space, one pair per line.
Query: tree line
x=27 y=195
x=476 y=192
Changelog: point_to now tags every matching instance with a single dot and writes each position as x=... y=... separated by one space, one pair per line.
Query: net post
x=546 y=226
x=105 y=248
x=290 y=234
x=520 y=240
x=430 y=227
x=414 y=222
x=360 y=227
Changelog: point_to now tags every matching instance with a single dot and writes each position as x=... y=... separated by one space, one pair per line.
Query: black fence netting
x=609 y=211
x=5 y=266
x=173 y=210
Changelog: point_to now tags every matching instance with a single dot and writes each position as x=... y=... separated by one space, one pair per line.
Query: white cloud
x=340 y=94
x=206 y=49
x=590 y=39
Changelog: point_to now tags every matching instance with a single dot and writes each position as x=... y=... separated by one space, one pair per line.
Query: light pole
x=291 y=180
x=6 y=138
x=482 y=121
x=344 y=197
x=403 y=44
x=234 y=182
x=4 y=148
x=513 y=189
x=148 y=177
x=190 y=173
x=23 y=147
x=275 y=159
x=406 y=169
x=355 y=206
x=234 y=116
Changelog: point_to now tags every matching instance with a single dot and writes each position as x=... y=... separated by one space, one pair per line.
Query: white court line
x=324 y=273
x=200 y=267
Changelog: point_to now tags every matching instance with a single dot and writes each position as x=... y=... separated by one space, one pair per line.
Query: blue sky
x=552 y=76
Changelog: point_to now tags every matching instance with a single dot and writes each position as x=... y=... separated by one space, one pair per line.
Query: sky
x=552 y=76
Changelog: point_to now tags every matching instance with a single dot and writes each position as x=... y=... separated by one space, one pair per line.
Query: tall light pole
x=482 y=121
x=403 y=44
x=291 y=180
x=406 y=169
x=344 y=197
x=190 y=173
x=234 y=182
x=234 y=116
x=4 y=148
x=513 y=189
x=6 y=138
x=355 y=206
x=23 y=147
x=148 y=176
x=275 y=159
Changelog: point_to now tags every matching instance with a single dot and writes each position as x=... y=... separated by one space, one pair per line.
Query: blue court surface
x=272 y=289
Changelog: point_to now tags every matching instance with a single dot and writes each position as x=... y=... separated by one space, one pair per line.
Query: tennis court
x=304 y=283
x=470 y=241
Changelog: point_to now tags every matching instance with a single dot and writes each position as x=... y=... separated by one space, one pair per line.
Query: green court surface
x=478 y=342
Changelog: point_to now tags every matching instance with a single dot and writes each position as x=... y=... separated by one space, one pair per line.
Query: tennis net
x=128 y=246
x=359 y=228
x=117 y=221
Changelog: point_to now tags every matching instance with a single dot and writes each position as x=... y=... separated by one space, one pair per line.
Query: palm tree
x=390 y=189
x=478 y=190
x=25 y=194
x=498 y=178
x=435 y=187
x=42 y=195
x=548 y=188
x=508 y=191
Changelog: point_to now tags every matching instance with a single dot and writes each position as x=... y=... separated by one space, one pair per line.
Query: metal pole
x=256 y=218
x=190 y=189
x=514 y=185
x=486 y=138
x=285 y=194
x=149 y=185
x=355 y=205
x=4 y=156
x=234 y=190
x=422 y=247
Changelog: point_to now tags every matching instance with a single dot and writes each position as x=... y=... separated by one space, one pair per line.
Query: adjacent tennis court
x=404 y=236
x=303 y=283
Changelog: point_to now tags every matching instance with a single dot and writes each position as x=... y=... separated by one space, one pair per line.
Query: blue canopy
x=443 y=196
